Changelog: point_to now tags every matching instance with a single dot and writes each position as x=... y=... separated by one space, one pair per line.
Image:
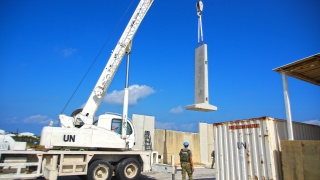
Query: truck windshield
x=116 y=126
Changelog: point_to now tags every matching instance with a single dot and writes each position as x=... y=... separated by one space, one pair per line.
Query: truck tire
x=128 y=169
x=99 y=170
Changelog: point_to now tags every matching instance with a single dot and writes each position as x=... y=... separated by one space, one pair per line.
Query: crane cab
x=113 y=122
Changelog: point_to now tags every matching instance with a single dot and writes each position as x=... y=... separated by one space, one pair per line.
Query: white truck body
x=54 y=163
x=26 y=164
x=99 y=135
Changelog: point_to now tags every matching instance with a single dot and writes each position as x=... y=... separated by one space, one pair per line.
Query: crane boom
x=122 y=47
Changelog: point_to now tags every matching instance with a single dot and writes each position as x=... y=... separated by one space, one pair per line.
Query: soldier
x=186 y=161
x=213 y=159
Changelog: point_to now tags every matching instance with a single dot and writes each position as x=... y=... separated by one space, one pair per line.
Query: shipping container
x=250 y=149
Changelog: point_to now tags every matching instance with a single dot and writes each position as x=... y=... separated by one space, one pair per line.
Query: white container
x=250 y=149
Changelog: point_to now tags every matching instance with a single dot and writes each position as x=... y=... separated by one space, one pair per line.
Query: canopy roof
x=306 y=69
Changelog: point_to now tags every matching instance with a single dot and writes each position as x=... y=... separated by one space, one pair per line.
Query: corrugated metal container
x=250 y=149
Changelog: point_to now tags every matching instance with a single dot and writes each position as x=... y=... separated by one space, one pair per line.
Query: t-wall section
x=169 y=143
x=301 y=159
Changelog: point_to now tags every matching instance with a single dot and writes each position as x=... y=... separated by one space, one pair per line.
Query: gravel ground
x=199 y=174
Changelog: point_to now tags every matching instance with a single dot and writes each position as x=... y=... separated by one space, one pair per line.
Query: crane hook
x=199 y=6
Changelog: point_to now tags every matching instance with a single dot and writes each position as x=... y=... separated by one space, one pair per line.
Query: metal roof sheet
x=306 y=69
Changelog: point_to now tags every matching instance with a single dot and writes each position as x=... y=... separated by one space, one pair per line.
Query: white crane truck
x=88 y=147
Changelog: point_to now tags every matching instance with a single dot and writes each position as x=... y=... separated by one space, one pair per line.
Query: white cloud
x=69 y=52
x=177 y=110
x=315 y=122
x=136 y=92
x=38 y=119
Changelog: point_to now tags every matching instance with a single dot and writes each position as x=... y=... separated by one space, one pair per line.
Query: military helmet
x=186 y=144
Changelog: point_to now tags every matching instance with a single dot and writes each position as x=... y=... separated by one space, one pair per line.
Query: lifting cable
x=95 y=59
x=199 y=6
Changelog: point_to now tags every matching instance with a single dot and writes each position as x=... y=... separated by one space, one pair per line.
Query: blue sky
x=48 y=46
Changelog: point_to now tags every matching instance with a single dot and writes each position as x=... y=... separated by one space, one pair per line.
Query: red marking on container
x=245 y=126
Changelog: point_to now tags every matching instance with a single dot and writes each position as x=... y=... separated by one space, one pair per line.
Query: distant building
x=2 y=132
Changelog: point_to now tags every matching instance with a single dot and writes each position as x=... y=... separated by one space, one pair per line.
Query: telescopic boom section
x=114 y=61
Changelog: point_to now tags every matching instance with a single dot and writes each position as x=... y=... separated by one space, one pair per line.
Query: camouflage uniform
x=213 y=159
x=186 y=165
x=186 y=168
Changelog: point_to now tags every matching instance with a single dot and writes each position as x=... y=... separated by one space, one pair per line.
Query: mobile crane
x=79 y=129
x=90 y=147
x=86 y=135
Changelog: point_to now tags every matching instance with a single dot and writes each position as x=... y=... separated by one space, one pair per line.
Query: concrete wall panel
x=203 y=131
x=159 y=139
x=210 y=138
x=141 y=124
x=170 y=142
x=300 y=159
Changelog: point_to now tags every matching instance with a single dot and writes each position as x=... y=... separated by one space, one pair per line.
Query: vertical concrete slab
x=170 y=142
x=300 y=159
x=195 y=148
x=159 y=145
x=210 y=141
x=169 y=145
x=178 y=139
x=201 y=94
x=141 y=124
x=203 y=133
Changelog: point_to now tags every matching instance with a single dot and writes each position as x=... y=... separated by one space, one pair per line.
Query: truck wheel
x=128 y=169
x=100 y=170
